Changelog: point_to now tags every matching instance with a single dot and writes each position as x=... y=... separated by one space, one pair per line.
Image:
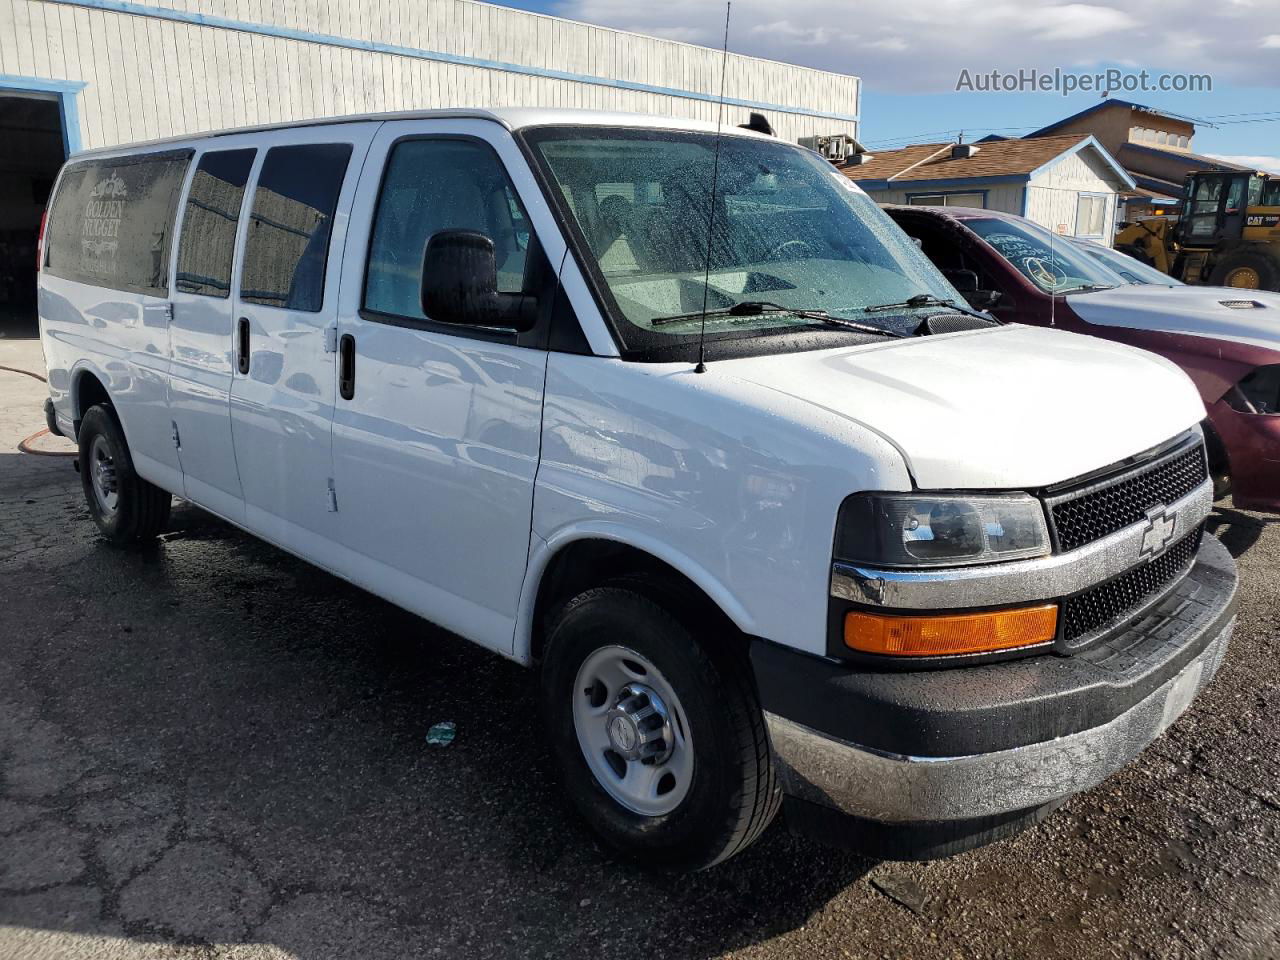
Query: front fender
x=542 y=552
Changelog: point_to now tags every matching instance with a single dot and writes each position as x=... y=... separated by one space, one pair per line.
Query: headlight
x=1259 y=392
x=911 y=530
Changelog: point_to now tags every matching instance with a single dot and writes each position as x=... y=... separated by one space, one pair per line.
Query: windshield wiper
x=753 y=308
x=919 y=300
x=1088 y=288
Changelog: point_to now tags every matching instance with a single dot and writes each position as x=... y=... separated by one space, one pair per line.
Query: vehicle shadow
x=1237 y=529
x=209 y=741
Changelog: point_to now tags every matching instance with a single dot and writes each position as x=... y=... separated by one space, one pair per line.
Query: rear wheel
x=125 y=507
x=1246 y=270
x=660 y=742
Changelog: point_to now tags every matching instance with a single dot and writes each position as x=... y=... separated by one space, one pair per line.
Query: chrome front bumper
x=901 y=789
x=1127 y=688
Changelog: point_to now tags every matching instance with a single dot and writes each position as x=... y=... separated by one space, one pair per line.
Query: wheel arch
x=579 y=559
x=88 y=387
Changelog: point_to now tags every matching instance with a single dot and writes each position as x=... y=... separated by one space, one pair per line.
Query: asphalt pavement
x=210 y=749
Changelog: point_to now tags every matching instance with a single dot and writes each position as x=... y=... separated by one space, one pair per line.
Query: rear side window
x=290 y=225
x=207 y=244
x=111 y=222
x=432 y=185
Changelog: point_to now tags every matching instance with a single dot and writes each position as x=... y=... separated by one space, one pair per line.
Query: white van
x=770 y=510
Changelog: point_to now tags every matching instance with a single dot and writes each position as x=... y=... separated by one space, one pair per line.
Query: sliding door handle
x=347 y=366
x=242 y=345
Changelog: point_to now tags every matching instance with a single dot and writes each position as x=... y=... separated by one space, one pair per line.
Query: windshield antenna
x=1053 y=291
x=711 y=210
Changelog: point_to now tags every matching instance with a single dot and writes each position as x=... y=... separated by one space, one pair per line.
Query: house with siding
x=1069 y=184
x=1155 y=147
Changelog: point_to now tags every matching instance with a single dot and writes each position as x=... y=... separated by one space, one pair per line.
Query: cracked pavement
x=209 y=749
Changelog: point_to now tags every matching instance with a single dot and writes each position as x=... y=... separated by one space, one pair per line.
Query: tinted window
x=111 y=221
x=434 y=185
x=289 y=228
x=1052 y=263
x=208 y=237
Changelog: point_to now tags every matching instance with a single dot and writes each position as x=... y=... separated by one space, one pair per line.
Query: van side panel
x=695 y=469
x=103 y=297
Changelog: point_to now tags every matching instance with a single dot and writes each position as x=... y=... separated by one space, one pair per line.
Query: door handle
x=242 y=345
x=347 y=366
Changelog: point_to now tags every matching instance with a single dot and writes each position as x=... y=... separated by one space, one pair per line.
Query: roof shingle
x=933 y=161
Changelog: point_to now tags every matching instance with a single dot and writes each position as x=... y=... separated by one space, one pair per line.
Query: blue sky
x=910 y=54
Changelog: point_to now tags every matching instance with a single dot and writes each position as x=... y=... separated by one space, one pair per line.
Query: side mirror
x=460 y=284
x=983 y=299
x=965 y=281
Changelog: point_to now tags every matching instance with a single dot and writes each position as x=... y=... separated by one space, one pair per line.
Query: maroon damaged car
x=1227 y=340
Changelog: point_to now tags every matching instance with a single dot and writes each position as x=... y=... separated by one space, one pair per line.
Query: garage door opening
x=31 y=151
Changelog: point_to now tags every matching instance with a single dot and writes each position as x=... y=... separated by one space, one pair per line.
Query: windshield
x=1053 y=263
x=1130 y=270
x=790 y=232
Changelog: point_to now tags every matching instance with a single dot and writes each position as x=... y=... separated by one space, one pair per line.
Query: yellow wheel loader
x=1228 y=234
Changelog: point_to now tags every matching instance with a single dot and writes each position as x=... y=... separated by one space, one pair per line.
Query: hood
x=1194 y=311
x=1004 y=408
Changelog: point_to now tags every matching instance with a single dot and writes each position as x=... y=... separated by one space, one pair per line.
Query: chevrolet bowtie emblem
x=1158 y=532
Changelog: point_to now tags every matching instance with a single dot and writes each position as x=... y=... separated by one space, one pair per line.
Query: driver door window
x=433 y=185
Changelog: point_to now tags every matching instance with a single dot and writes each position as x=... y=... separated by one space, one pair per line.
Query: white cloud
x=1266 y=164
x=922 y=45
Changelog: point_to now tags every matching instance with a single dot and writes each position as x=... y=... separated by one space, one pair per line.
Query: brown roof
x=932 y=161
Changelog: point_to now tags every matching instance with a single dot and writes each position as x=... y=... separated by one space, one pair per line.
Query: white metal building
x=88 y=73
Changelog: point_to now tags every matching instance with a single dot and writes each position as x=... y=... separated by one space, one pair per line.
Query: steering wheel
x=802 y=249
x=1046 y=273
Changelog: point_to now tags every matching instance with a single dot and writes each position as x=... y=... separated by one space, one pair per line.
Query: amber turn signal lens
x=949 y=634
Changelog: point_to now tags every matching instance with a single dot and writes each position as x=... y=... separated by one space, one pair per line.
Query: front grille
x=1099 y=511
x=1088 y=612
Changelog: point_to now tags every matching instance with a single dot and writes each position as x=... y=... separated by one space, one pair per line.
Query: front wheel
x=660 y=742
x=125 y=507
x=1246 y=270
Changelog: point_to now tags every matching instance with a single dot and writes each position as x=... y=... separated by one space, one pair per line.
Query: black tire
x=141 y=509
x=733 y=793
x=1263 y=267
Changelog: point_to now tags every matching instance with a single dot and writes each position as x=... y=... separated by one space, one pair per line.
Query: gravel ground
x=211 y=749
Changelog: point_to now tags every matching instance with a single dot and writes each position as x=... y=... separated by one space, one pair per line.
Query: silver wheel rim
x=102 y=474
x=633 y=731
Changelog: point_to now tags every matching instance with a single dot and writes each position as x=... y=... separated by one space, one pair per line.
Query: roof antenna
x=711 y=210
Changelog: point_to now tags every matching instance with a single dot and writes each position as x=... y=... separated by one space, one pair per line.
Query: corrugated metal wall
x=154 y=70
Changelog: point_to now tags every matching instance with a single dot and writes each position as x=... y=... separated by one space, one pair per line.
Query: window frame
x=242 y=245
x=166 y=254
x=945 y=195
x=233 y=291
x=1081 y=196
x=541 y=277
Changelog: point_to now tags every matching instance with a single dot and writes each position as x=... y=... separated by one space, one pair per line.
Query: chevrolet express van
x=724 y=456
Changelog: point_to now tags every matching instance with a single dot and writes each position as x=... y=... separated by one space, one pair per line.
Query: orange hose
x=23 y=446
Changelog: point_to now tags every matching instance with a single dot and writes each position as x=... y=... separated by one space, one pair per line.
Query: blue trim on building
x=1106 y=105
x=67 y=92
x=959 y=182
x=372 y=46
x=1088 y=141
